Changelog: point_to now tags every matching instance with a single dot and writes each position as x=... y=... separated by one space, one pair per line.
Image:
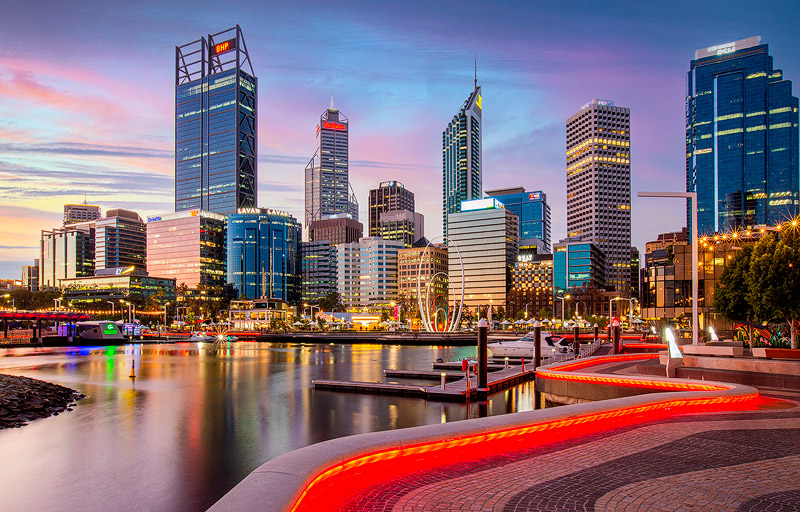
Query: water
x=196 y=421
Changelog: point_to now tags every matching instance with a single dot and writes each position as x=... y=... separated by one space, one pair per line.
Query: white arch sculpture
x=424 y=309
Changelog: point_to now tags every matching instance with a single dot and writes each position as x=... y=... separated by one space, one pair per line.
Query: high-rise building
x=120 y=241
x=74 y=213
x=402 y=225
x=599 y=185
x=367 y=272
x=263 y=257
x=66 y=253
x=531 y=285
x=327 y=187
x=461 y=157
x=532 y=210
x=634 y=272
x=390 y=195
x=336 y=229
x=485 y=236
x=30 y=276
x=216 y=113
x=188 y=246
x=741 y=138
x=318 y=270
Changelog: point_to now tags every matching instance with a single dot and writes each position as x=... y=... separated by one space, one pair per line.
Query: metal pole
x=694 y=268
x=576 y=341
x=483 y=353
x=537 y=344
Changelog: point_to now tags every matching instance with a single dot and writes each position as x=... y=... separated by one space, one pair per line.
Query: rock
x=23 y=400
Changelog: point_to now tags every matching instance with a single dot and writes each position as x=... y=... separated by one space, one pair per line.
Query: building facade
x=389 y=196
x=576 y=265
x=433 y=270
x=30 y=276
x=461 y=157
x=66 y=253
x=599 y=185
x=367 y=272
x=263 y=257
x=402 y=225
x=327 y=176
x=75 y=213
x=216 y=113
x=120 y=241
x=484 y=235
x=189 y=247
x=532 y=210
x=101 y=288
x=531 y=285
x=635 y=272
x=318 y=270
x=741 y=138
x=336 y=229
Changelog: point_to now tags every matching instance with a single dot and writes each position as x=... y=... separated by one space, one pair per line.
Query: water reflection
x=198 y=418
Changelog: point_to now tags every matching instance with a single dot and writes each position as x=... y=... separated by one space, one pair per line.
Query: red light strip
x=334 y=485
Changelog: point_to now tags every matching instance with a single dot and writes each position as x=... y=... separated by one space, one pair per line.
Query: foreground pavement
x=742 y=461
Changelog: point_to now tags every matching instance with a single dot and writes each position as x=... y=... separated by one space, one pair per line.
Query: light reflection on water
x=196 y=421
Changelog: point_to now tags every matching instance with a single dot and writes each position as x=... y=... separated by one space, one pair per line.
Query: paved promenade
x=742 y=461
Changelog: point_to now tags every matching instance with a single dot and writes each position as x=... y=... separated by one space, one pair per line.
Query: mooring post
x=443 y=380
x=576 y=341
x=483 y=353
x=537 y=345
x=596 y=332
x=617 y=349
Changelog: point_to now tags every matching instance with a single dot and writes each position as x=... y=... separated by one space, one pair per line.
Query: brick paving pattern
x=726 y=461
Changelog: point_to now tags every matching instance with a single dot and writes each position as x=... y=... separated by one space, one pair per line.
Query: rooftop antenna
x=476 y=70
x=332 y=107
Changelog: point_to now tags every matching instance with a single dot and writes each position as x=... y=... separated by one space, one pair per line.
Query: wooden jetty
x=499 y=380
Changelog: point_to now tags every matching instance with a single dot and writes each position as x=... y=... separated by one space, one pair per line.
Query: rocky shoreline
x=23 y=400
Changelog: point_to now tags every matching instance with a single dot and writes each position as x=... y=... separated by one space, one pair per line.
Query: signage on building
x=194 y=213
x=524 y=258
x=481 y=204
x=334 y=126
x=154 y=219
x=535 y=196
x=224 y=47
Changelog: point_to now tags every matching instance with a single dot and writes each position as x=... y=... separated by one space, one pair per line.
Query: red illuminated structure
x=385 y=455
x=334 y=126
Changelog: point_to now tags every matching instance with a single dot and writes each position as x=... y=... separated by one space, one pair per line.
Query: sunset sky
x=87 y=95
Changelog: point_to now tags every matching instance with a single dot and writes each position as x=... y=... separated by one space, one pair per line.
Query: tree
x=543 y=313
x=731 y=293
x=774 y=280
x=331 y=302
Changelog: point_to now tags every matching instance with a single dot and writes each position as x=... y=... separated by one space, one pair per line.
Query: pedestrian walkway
x=735 y=461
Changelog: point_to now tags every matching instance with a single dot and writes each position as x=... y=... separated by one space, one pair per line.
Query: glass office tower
x=263 y=257
x=532 y=210
x=215 y=124
x=327 y=188
x=741 y=138
x=461 y=157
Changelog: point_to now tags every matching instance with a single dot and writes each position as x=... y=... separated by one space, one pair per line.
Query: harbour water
x=196 y=420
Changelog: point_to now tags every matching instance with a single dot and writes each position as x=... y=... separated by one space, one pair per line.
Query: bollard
x=443 y=381
x=133 y=369
x=537 y=345
x=506 y=363
x=596 y=332
x=483 y=353
x=576 y=341
x=616 y=348
x=522 y=361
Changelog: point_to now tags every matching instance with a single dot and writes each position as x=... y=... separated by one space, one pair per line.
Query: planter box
x=713 y=350
x=776 y=353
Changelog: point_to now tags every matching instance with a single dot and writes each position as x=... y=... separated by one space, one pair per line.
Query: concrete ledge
x=279 y=483
x=776 y=353
x=713 y=350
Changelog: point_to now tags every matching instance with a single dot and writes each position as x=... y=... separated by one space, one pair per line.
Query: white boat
x=98 y=331
x=524 y=346
x=210 y=337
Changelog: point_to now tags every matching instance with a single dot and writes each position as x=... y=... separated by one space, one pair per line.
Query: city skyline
x=71 y=116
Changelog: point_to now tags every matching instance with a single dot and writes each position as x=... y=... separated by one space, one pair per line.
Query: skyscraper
x=390 y=195
x=328 y=190
x=461 y=157
x=741 y=138
x=74 y=213
x=532 y=210
x=215 y=124
x=599 y=185
x=120 y=241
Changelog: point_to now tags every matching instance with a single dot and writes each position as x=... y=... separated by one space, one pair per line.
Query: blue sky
x=87 y=98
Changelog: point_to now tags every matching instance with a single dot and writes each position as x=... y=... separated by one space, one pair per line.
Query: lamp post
x=112 y=308
x=56 y=304
x=165 y=315
x=693 y=197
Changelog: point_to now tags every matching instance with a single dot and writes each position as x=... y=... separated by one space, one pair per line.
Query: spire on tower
x=332 y=107
x=476 y=69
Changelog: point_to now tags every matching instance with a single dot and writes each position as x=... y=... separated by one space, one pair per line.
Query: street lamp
x=56 y=304
x=13 y=304
x=693 y=197
x=112 y=308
